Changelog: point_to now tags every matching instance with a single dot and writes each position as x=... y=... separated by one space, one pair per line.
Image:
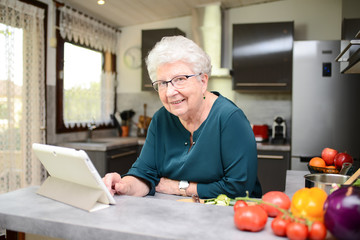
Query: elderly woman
x=199 y=142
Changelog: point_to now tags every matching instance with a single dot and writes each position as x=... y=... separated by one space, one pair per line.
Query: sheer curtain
x=22 y=94
x=85 y=30
x=82 y=29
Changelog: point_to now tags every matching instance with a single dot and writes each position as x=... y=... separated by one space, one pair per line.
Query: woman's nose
x=170 y=89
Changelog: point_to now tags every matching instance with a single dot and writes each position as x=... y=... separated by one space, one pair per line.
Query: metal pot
x=324 y=181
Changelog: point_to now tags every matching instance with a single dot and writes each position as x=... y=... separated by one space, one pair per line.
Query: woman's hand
x=128 y=185
x=110 y=180
x=168 y=186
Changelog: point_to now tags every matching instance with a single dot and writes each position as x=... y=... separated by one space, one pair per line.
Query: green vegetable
x=221 y=200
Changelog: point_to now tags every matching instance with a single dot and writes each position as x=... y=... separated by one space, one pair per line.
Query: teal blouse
x=222 y=160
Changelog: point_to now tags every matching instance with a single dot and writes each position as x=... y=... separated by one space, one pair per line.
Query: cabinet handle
x=280 y=157
x=123 y=154
x=148 y=85
x=261 y=84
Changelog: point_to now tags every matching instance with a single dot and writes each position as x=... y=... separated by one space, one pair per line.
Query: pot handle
x=345 y=168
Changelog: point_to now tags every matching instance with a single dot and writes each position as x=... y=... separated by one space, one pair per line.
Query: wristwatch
x=183 y=185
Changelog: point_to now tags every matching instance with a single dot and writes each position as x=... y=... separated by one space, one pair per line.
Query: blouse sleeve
x=145 y=167
x=239 y=161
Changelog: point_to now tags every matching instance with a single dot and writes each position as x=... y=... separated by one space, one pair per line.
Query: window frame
x=60 y=42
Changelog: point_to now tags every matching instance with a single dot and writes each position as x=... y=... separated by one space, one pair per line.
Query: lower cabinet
x=117 y=160
x=272 y=167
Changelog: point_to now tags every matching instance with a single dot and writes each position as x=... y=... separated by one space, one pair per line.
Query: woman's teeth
x=176 y=102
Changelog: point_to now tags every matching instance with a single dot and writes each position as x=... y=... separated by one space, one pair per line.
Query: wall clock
x=132 y=57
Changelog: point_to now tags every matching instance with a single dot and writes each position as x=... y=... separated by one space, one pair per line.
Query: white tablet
x=70 y=167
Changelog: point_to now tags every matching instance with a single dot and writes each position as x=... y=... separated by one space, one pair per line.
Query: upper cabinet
x=262 y=57
x=148 y=40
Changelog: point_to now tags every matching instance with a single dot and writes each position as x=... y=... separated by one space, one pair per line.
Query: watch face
x=183 y=184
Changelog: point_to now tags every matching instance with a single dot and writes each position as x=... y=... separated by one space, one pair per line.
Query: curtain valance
x=82 y=29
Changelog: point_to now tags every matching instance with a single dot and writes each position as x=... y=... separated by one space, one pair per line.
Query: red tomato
x=239 y=204
x=296 y=231
x=317 y=231
x=250 y=218
x=279 y=224
x=278 y=198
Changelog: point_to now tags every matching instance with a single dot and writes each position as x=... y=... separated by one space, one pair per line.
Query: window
x=85 y=86
x=82 y=82
x=11 y=85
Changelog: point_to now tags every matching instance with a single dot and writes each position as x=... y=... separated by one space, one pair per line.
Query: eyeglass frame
x=171 y=80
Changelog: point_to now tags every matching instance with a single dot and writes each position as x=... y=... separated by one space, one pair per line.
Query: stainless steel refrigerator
x=325 y=103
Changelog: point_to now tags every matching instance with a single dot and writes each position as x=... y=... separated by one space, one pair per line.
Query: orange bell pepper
x=308 y=203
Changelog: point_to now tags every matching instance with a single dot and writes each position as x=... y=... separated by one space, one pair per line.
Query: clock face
x=132 y=57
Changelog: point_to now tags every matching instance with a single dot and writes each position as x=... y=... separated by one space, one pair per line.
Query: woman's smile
x=177 y=102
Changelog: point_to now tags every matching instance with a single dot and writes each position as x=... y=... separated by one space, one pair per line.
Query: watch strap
x=183 y=192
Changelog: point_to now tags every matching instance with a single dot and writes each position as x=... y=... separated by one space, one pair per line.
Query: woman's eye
x=179 y=79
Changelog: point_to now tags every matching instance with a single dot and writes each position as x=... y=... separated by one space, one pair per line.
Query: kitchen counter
x=267 y=146
x=151 y=217
x=104 y=144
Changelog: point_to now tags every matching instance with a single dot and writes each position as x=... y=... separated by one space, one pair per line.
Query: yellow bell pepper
x=308 y=203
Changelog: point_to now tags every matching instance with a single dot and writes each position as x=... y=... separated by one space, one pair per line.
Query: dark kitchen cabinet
x=115 y=160
x=262 y=57
x=272 y=167
x=148 y=40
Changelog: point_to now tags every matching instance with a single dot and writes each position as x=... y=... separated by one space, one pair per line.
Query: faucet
x=91 y=127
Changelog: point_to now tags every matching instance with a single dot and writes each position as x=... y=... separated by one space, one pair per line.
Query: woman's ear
x=204 y=81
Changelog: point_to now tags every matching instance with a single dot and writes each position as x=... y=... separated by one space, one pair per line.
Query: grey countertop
x=267 y=146
x=157 y=217
x=104 y=144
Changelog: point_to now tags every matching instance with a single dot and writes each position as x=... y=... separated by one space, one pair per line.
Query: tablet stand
x=74 y=194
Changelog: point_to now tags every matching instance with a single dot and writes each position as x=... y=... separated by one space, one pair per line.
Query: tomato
x=308 y=203
x=296 y=231
x=278 y=198
x=279 y=225
x=238 y=204
x=317 y=231
x=250 y=218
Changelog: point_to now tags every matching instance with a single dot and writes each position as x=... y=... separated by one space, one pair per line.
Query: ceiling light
x=101 y=2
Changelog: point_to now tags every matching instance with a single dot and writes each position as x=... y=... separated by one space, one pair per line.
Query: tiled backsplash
x=263 y=108
x=136 y=101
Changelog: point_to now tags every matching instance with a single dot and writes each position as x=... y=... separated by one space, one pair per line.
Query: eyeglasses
x=177 y=82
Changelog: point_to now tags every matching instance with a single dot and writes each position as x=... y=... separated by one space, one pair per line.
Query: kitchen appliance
x=278 y=135
x=325 y=104
x=261 y=132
